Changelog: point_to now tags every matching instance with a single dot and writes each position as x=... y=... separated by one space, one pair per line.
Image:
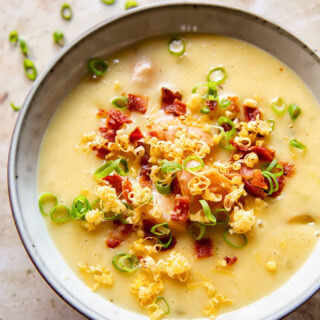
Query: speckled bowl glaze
x=54 y=83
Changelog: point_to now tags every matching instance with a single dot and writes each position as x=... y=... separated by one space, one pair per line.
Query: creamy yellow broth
x=65 y=171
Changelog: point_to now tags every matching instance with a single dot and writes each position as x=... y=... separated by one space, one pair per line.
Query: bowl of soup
x=164 y=166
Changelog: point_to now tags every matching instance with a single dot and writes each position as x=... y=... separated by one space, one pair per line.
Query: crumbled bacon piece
x=135 y=135
x=258 y=179
x=175 y=186
x=115 y=182
x=153 y=133
x=101 y=152
x=264 y=153
x=145 y=180
x=226 y=126
x=171 y=102
x=181 y=208
x=112 y=243
x=233 y=107
x=230 y=261
x=281 y=181
x=288 y=168
x=126 y=189
x=254 y=191
x=147 y=225
x=108 y=134
x=172 y=244
x=204 y=248
x=137 y=103
x=119 y=234
x=251 y=113
x=116 y=119
x=102 y=112
x=249 y=175
x=212 y=104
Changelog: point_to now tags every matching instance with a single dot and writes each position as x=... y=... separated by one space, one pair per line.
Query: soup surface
x=281 y=227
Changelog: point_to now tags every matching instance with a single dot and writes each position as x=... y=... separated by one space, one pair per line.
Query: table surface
x=23 y=293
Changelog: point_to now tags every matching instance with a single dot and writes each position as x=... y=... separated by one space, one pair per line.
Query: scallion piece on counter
x=160 y=299
x=278 y=106
x=197 y=230
x=80 y=206
x=163 y=188
x=58 y=37
x=120 y=103
x=191 y=159
x=177 y=46
x=60 y=213
x=207 y=212
x=223 y=103
x=30 y=69
x=205 y=110
x=14 y=107
x=161 y=229
x=206 y=89
x=108 y=2
x=170 y=167
x=14 y=37
x=217 y=75
x=66 y=11
x=97 y=67
x=243 y=237
x=23 y=47
x=125 y=262
x=121 y=166
x=130 y=4
x=297 y=144
x=294 y=111
x=272 y=124
x=47 y=199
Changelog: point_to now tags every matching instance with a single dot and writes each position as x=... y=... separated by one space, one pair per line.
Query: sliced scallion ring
x=224 y=142
x=224 y=120
x=197 y=230
x=58 y=37
x=278 y=106
x=80 y=206
x=30 y=69
x=294 y=111
x=272 y=124
x=217 y=75
x=121 y=167
x=46 y=199
x=273 y=182
x=97 y=67
x=163 y=188
x=95 y=204
x=205 y=110
x=120 y=102
x=167 y=307
x=207 y=90
x=130 y=4
x=14 y=37
x=297 y=144
x=14 y=107
x=125 y=262
x=161 y=229
x=60 y=213
x=23 y=47
x=165 y=244
x=66 y=11
x=223 y=103
x=170 y=167
x=177 y=46
x=207 y=212
x=226 y=236
x=104 y=170
x=194 y=168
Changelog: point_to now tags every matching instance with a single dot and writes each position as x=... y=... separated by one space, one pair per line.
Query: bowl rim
x=11 y=167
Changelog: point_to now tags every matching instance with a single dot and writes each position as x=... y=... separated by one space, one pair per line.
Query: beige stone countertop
x=23 y=293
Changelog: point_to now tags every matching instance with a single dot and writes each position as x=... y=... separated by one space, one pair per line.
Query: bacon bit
x=102 y=113
x=145 y=180
x=254 y=191
x=126 y=189
x=212 y=104
x=138 y=103
x=251 y=113
x=153 y=134
x=234 y=104
x=281 y=69
x=204 y=248
x=112 y=243
x=264 y=153
x=102 y=152
x=135 y=135
x=172 y=244
x=226 y=127
x=171 y=102
x=288 y=168
x=248 y=175
x=230 y=261
x=108 y=134
x=281 y=181
x=258 y=180
x=181 y=208
x=119 y=234
x=147 y=225
x=116 y=119
x=175 y=186
x=115 y=182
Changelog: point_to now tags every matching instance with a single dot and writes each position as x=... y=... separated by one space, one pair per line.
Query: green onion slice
x=30 y=69
x=224 y=142
x=47 y=199
x=273 y=182
x=272 y=122
x=14 y=37
x=121 y=167
x=197 y=230
x=66 y=11
x=167 y=307
x=130 y=4
x=207 y=90
x=60 y=213
x=108 y=2
x=177 y=46
x=228 y=121
x=194 y=168
x=165 y=244
x=14 y=107
x=80 y=206
x=95 y=204
x=125 y=262
x=224 y=103
x=278 y=106
x=120 y=103
x=161 y=229
x=297 y=144
x=170 y=166
x=104 y=170
x=23 y=47
x=111 y=218
x=207 y=212
x=97 y=67
x=294 y=111
x=205 y=110
x=163 y=188
x=58 y=37
x=226 y=236
x=217 y=75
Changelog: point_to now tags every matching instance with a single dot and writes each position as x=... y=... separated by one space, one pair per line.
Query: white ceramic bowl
x=68 y=68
